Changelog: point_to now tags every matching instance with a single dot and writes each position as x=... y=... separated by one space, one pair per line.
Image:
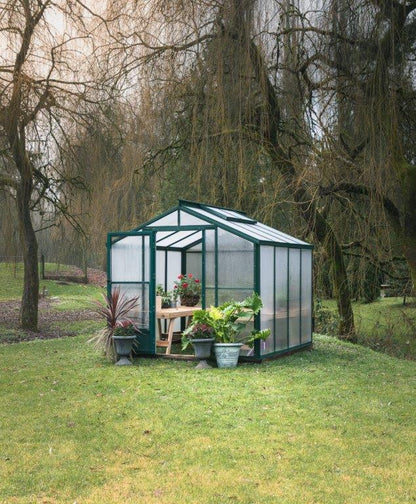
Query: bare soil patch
x=48 y=319
x=75 y=274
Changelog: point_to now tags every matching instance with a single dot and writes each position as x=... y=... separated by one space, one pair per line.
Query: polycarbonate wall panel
x=233 y=294
x=160 y=268
x=140 y=314
x=173 y=268
x=190 y=220
x=235 y=261
x=294 y=297
x=168 y=220
x=194 y=264
x=267 y=296
x=306 y=297
x=127 y=259
x=281 y=295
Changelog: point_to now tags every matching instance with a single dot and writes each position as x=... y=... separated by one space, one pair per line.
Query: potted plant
x=118 y=326
x=200 y=334
x=165 y=297
x=228 y=322
x=188 y=287
x=124 y=336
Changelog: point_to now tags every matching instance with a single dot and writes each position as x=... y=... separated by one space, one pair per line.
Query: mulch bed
x=48 y=317
x=76 y=275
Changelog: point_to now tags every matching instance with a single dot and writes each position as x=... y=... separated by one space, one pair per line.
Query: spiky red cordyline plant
x=115 y=311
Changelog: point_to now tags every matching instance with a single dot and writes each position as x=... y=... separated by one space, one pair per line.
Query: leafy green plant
x=126 y=328
x=326 y=320
x=229 y=320
x=115 y=312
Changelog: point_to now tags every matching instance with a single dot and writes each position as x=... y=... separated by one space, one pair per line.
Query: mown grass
x=385 y=325
x=68 y=296
x=334 y=425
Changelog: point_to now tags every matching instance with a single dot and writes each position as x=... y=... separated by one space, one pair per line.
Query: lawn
x=67 y=309
x=385 y=325
x=333 y=425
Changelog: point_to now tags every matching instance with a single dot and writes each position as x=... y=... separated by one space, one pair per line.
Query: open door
x=131 y=267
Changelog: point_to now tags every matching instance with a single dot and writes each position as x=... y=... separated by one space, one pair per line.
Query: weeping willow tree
x=359 y=75
x=48 y=48
x=241 y=128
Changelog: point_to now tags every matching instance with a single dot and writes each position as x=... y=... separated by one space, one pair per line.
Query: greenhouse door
x=131 y=267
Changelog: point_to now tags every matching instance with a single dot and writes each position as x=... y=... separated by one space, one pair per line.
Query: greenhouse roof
x=181 y=226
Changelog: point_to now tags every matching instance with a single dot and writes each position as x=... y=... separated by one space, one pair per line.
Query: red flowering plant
x=187 y=286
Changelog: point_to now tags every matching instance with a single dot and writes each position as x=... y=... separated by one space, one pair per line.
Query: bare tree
x=47 y=53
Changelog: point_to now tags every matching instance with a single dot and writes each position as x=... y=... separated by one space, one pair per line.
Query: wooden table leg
x=170 y=336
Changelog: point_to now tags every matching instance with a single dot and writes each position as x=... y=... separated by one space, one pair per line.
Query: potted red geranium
x=188 y=287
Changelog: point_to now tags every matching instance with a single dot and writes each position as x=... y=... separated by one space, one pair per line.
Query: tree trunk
x=29 y=244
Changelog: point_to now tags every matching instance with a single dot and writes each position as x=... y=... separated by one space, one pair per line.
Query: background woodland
x=302 y=114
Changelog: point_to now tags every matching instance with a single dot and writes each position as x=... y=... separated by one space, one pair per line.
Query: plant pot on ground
x=228 y=322
x=115 y=313
x=201 y=336
x=124 y=336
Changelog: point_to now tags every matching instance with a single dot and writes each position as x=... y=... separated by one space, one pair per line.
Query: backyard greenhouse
x=232 y=255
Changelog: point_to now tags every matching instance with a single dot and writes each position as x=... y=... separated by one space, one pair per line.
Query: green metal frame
x=114 y=238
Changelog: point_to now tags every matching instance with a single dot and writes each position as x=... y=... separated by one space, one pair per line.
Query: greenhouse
x=233 y=256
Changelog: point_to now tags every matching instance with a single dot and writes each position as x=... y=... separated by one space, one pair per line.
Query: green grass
x=334 y=425
x=385 y=325
x=71 y=296
x=63 y=296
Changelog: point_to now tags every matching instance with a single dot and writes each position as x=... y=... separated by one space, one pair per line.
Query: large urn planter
x=123 y=346
x=227 y=354
x=202 y=349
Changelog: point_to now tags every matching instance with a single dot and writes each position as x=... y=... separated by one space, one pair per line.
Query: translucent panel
x=127 y=259
x=229 y=213
x=278 y=236
x=209 y=297
x=168 y=220
x=233 y=294
x=257 y=231
x=173 y=269
x=267 y=296
x=194 y=264
x=191 y=220
x=192 y=238
x=281 y=294
x=139 y=314
x=161 y=235
x=294 y=297
x=281 y=333
x=235 y=261
x=306 y=296
x=160 y=268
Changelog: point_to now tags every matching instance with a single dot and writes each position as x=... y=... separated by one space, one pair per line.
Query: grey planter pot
x=227 y=354
x=202 y=347
x=123 y=346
